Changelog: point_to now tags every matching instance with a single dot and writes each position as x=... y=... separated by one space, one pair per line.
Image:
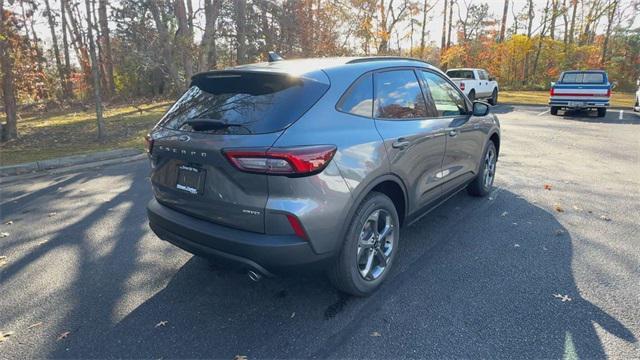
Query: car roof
x=584 y=71
x=309 y=66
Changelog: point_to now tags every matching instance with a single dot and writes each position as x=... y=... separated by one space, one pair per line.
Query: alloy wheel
x=489 y=168
x=376 y=243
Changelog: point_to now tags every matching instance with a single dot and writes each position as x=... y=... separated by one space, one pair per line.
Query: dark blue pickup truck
x=581 y=89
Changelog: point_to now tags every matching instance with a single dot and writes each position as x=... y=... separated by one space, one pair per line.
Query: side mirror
x=480 y=108
x=552 y=84
x=614 y=85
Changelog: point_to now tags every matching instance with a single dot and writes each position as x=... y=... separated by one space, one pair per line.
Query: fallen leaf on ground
x=4 y=234
x=34 y=325
x=544 y=248
x=293 y=314
x=162 y=323
x=240 y=357
x=558 y=208
x=559 y=232
x=5 y=335
x=375 y=334
x=562 y=297
x=3 y=261
x=576 y=208
x=516 y=245
x=52 y=214
x=10 y=222
x=64 y=335
x=504 y=213
x=605 y=218
x=547 y=187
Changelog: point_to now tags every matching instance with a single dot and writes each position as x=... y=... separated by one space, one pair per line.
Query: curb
x=67 y=161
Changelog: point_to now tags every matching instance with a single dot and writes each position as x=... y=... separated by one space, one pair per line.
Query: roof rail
x=383 y=58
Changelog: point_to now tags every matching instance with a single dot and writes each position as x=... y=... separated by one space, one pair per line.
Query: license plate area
x=576 y=104
x=190 y=179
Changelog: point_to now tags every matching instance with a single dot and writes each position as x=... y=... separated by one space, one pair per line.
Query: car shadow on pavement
x=471 y=281
x=612 y=117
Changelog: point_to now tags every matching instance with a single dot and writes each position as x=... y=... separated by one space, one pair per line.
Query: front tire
x=602 y=112
x=554 y=110
x=494 y=97
x=483 y=182
x=370 y=247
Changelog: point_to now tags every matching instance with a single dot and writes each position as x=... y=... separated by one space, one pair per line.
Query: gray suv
x=315 y=163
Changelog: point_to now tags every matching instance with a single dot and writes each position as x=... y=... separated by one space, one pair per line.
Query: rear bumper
x=579 y=103
x=264 y=253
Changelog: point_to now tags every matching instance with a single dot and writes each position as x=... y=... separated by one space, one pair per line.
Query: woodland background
x=94 y=52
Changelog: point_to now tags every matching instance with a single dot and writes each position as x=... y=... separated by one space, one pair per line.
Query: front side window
x=447 y=99
x=398 y=96
x=358 y=100
x=483 y=75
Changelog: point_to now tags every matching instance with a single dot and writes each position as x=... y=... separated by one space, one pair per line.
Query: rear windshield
x=582 y=78
x=460 y=74
x=242 y=103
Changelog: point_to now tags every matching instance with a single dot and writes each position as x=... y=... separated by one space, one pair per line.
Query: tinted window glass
x=242 y=103
x=358 y=100
x=583 y=78
x=398 y=95
x=460 y=74
x=447 y=99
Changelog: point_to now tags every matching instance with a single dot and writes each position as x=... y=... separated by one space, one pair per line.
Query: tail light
x=552 y=92
x=462 y=86
x=148 y=143
x=300 y=160
x=608 y=92
x=297 y=226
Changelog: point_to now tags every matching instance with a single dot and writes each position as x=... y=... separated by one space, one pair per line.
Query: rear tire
x=472 y=95
x=494 y=97
x=602 y=112
x=554 y=110
x=483 y=182
x=359 y=269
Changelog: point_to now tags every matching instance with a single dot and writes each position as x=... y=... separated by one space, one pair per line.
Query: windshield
x=582 y=78
x=242 y=103
x=460 y=74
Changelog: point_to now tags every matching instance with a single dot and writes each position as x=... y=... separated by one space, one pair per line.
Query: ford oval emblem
x=184 y=138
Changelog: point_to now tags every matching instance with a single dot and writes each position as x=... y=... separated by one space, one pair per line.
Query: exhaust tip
x=254 y=276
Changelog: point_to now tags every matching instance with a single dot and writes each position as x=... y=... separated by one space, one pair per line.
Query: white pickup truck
x=637 y=105
x=476 y=84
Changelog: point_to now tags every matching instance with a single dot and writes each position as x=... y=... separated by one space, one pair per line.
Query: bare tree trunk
x=503 y=26
x=241 y=36
x=184 y=40
x=106 y=46
x=56 y=50
x=530 y=16
x=10 y=130
x=83 y=56
x=208 y=56
x=573 y=21
x=554 y=15
x=65 y=50
x=450 y=23
x=423 y=34
x=541 y=37
x=95 y=71
x=605 y=46
x=163 y=36
x=443 y=45
x=565 y=19
x=383 y=47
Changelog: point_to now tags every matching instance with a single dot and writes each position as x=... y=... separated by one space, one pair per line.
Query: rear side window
x=460 y=74
x=483 y=75
x=358 y=100
x=398 y=95
x=242 y=103
x=448 y=101
x=582 y=78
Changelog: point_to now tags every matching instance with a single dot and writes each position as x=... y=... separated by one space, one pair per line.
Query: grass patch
x=63 y=133
x=618 y=99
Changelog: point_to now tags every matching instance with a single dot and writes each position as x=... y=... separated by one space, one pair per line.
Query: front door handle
x=453 y=133
x=401 y=143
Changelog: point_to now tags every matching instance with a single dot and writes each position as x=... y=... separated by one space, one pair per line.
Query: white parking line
x=544 y=112
x=621 y=114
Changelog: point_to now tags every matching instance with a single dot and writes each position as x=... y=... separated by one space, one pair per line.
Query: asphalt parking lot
x=527 y=273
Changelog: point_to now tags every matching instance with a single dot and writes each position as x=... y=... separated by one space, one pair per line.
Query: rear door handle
x=401 y=143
